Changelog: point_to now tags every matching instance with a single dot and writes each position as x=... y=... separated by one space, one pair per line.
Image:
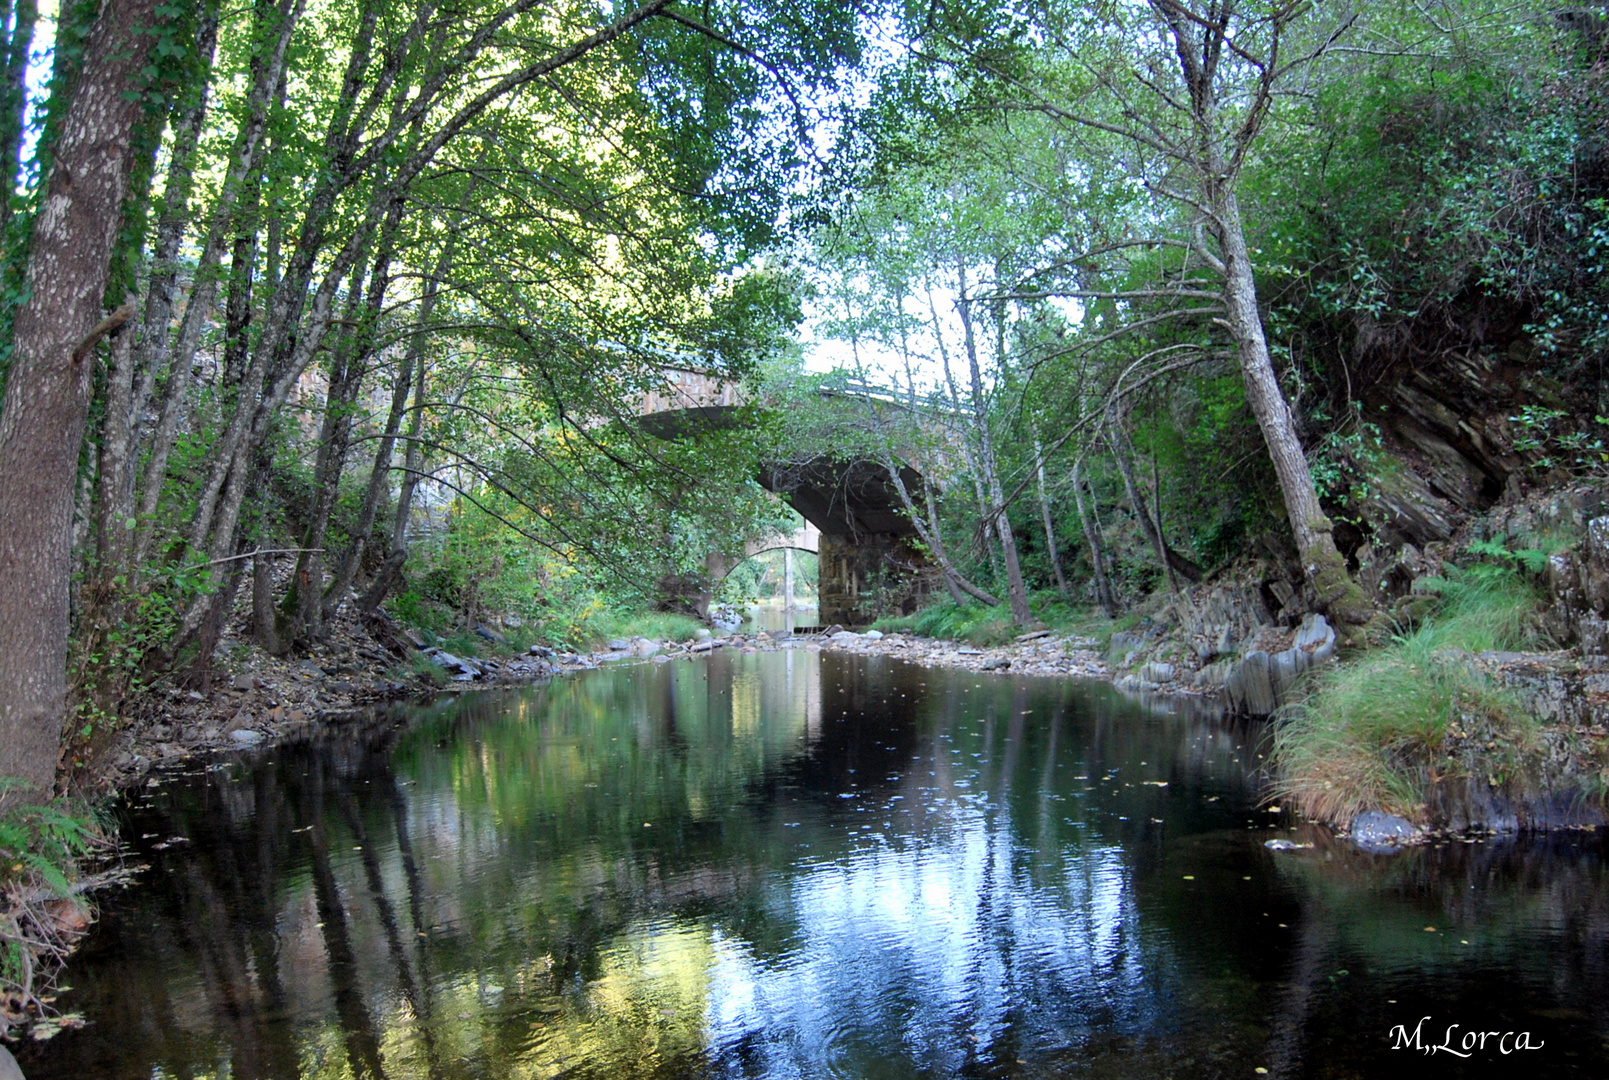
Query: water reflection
x=775 y=619
x=804 y=865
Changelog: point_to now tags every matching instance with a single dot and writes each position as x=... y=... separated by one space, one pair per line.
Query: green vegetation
x=1376 y=731
x=599 y=628
x=984 y=626
x=42 y=850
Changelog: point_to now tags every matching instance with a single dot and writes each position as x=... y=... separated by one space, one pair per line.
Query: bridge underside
x=869 y=559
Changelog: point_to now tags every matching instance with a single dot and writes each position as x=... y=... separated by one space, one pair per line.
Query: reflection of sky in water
x=794 y=865
x=933 y=951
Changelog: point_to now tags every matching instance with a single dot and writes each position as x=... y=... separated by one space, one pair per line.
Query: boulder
x=1381 y=833
x=873 y=635
x=1261 y=682
x=1157 y=672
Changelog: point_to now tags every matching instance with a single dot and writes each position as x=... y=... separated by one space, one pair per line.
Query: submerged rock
x=1381 y=833
x=1285 y=845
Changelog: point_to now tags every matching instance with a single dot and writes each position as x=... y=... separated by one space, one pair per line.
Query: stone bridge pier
x=869 y=562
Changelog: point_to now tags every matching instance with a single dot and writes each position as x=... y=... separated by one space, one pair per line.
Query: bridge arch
x=870 y=559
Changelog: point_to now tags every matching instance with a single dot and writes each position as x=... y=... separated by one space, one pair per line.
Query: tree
x=1176 y=95
x=48 y=387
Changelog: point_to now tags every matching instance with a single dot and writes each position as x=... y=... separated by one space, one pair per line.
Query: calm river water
x=797 y=865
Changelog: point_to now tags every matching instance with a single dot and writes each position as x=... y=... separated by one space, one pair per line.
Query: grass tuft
x=658 y=625
x=1374 y=733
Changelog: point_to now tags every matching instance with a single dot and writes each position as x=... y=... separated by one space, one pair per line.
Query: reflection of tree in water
x=657 y=873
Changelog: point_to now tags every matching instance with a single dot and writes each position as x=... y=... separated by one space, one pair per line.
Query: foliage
x=42 y=850
x=976 y=624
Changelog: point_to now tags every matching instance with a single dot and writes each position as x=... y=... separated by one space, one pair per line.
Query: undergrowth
x=598 y=629
x=977 y=624
x=43 y=850
x=1373 y=733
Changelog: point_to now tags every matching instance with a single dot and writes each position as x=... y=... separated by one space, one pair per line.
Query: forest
x=1196 y=315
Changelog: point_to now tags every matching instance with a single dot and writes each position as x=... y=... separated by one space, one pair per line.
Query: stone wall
x=862 y=578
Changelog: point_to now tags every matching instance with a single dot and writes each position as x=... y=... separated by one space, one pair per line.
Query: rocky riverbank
x=1042 y=652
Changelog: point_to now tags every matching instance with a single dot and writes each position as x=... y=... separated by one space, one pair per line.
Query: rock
x=1285 y=845
x=873 y=635
x=194 y=696
x=453 y=663
x=844 y=635
x=1248 y=687
x=1034 y=635
x=540 y=650
x=619 y=644
x=996 y=663
x=512 y=622
x=245 y=737
x=340 y=687
x=1261 y=682
x=831 y=630
x=645 y=648
x=725 y=617
x=1157 y=672
x=244 y=682
x=1379 y=833
x=9 y=1070
x=489 y=634
x=702 y=634
x=967 y=650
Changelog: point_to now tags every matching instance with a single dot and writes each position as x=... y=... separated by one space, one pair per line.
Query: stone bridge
x=854 y=520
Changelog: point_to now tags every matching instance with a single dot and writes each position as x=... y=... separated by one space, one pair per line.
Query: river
x=798 y=865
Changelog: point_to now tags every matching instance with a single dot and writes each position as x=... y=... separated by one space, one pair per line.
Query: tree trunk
x=1018 y=593
x=1044 y=510
x=391 y=572
x=47 y=392
x=1216 y=156
x=1097 y=558
x=954 y=580
x=243 y=163
x=1338 y=595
